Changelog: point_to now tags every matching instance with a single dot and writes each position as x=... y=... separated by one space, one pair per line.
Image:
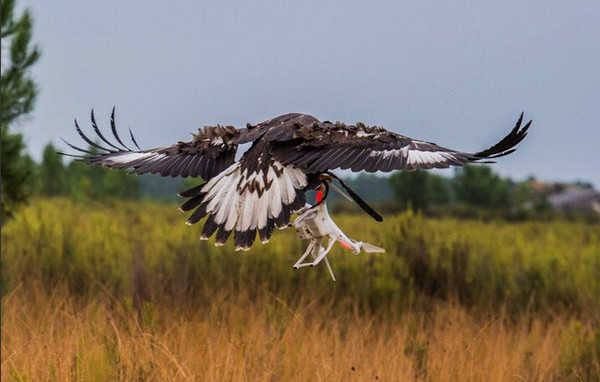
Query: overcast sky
x=457 y=73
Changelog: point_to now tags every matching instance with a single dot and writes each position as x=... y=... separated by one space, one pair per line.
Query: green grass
x=144 y=251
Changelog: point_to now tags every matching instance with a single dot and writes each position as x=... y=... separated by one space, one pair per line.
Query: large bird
x=290 y=155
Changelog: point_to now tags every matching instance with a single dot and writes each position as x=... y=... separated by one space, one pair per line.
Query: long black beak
x=367 y=208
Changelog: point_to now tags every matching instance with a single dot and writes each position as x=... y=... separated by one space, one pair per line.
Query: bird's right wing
x=210 y=151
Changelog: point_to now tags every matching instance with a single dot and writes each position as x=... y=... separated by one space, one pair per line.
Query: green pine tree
x=86 y=182
x=17 y=96
x=52 y=175
x=420 y=190
x=479 y=186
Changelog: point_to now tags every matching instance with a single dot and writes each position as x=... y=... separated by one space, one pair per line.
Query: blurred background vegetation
x=143 y=250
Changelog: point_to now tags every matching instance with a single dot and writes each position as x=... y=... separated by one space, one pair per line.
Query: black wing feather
x=211 y=150
x=97 y=130
x=114 y=129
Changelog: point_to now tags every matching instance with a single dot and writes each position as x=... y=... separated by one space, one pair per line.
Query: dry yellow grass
x=126 y=292
x=57 y=337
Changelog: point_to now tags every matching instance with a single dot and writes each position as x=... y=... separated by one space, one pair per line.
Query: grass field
x=126 y=291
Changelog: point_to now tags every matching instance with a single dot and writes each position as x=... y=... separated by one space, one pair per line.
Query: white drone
x=314 y=224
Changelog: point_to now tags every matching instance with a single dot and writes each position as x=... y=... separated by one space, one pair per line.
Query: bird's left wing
x=209 y=152
x=324 y=146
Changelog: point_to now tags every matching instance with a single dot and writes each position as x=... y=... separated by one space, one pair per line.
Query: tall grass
x=126 y=291
x=52 y=336
x=144 y=250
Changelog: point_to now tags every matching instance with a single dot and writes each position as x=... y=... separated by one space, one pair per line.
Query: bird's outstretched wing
x=209 y=152
x=324 y=146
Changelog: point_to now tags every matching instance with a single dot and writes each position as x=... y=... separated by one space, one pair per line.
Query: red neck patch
x=319 y=196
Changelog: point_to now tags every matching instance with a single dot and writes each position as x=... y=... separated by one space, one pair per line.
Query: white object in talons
x=315 y=224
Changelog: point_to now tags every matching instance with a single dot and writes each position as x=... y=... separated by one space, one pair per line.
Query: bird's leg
x=306 y=253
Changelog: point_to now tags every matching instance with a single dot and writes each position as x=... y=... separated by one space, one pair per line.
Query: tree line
x=471 y=191
x=471 y=188
x=78 y=180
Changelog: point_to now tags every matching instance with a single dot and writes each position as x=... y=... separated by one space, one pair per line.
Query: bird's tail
x=246 y=202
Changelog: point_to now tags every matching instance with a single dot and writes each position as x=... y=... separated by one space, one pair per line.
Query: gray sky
x=457 y=73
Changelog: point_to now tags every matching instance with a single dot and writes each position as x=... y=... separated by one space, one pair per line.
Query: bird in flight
x=290 y=155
